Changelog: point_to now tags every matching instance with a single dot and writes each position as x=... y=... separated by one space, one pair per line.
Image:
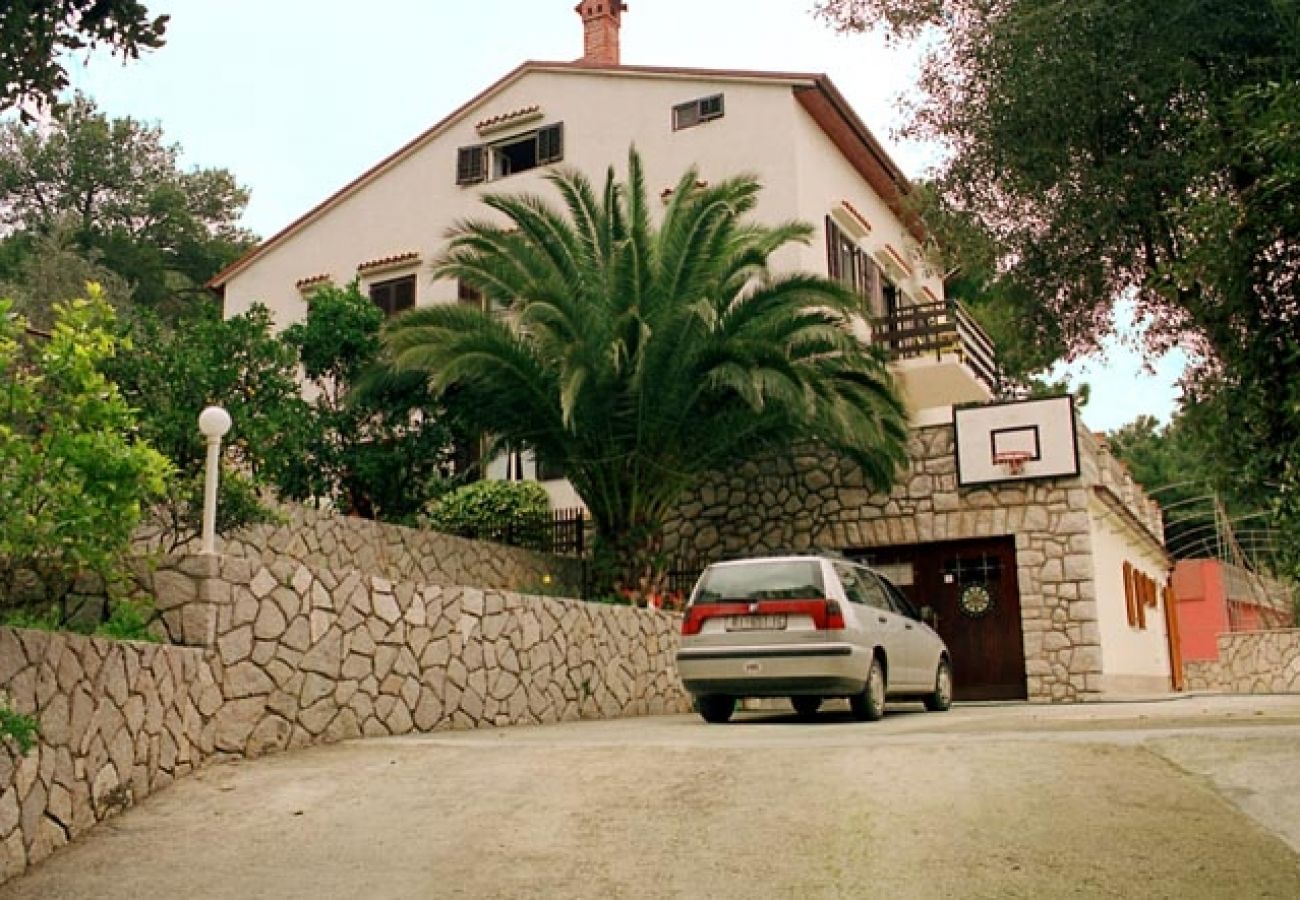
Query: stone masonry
x=271 y=650
x=325 y=540
x=813 y=500
x=118 y=721
x=1250 y=662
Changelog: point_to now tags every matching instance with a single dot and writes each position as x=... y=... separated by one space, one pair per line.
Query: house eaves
x=815 y=92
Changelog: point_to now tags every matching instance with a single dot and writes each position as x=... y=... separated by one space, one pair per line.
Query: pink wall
x=1202 y=607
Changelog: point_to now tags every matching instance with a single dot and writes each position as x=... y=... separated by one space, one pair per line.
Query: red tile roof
x=410 y=256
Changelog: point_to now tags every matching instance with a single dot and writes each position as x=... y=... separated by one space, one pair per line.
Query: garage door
x=972 y=587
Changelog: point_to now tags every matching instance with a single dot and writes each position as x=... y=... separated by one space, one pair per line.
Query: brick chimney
x=600 y=20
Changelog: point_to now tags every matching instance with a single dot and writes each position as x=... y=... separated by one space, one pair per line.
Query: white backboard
x=1038 y=434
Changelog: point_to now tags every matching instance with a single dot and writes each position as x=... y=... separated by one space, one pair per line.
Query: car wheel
x=869 y=705
x=806 y=707
x=940 y=700
x=715 y=708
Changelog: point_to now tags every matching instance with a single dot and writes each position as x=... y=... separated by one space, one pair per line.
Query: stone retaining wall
x=286 y=655
x=1250 y=662
x=118 y=721
x=305 y=654
x=324 y=540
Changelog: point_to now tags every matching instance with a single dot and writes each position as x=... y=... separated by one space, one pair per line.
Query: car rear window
x=789 y=580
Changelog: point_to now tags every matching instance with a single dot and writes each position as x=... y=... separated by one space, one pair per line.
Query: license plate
x=755 y=623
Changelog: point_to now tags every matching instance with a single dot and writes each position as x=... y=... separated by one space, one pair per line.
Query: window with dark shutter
x=471 y=164
x=394 y=295
x=468 y=296
x=697 y=112
x=550 y=144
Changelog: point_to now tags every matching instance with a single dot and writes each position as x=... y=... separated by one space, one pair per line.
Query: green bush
x=75 y=476
x=511 y=512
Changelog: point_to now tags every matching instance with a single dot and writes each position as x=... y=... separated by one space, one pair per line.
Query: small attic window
x=697 y=112
x=520 y=153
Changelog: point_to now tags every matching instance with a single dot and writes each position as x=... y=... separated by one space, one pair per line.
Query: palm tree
x=638 y=357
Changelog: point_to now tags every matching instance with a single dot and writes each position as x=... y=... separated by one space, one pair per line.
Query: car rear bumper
x=827 y=670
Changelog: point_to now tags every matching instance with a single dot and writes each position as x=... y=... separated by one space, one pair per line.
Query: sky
x=298 y=97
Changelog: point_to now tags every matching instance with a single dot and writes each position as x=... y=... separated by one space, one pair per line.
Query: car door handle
x=908 y=626
x=882 y=620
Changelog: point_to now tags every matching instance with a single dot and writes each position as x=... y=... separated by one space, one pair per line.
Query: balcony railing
x=943 y=328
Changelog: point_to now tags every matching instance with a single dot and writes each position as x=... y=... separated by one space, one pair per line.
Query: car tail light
x=692 y=621
x=833 y=618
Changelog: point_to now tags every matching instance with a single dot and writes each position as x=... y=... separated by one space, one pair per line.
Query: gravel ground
x=1192 y=798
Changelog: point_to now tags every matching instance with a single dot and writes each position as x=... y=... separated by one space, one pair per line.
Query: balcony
x=941 y=355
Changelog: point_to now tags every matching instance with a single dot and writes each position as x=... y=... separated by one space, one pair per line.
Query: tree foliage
x=380 y=453
x=637 y=356
x=238 y=363
x=115 y=190
x=34 y=34
x=75 y=477
x=1140 y=148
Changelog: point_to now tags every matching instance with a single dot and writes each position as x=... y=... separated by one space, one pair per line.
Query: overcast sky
x=298 y=97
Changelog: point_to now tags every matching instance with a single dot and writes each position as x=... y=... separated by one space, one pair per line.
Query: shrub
x=74 y=474
x=511 y=512
x=16 y=727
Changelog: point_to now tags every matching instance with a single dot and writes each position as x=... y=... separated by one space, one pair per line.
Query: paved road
x=1188 y=798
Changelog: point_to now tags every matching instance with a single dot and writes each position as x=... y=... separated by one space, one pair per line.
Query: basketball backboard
x=1016 y=441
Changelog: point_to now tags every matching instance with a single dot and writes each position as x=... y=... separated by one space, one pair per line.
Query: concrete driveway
x=1194 y=797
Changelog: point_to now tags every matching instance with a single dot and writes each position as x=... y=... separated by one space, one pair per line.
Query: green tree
x=383 y=452
x=638 y=356
x=35 y=33
x=1139 y=148
x=40 y=270
x=238 y=363
x=74 y=475
x=114 y=187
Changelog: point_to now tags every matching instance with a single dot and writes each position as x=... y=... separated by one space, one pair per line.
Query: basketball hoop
x=1012 y=461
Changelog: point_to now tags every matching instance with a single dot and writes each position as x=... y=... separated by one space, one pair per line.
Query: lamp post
x=214 y=422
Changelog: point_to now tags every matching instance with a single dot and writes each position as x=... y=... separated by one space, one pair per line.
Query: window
x=394 y=295
x=472 y=296
x=852 y=266
x=547 y=470
x=520 y=153
x=697 y=112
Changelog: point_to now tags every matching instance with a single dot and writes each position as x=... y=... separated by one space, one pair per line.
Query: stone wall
x=304 y=654
x=1250 y=662
x=813 y=500
x=118 y=721
x=286 y=655
x=325 y=540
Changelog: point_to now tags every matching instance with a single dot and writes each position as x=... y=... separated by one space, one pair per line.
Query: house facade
x=1053 y=552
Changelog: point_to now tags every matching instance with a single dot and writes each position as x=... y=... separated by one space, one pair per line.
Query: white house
x=1049 y=517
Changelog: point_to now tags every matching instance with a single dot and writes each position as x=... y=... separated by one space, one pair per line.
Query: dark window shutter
x=550 y=144
x=471 y=164
x=468 y=296
x=394 y=295
x=711 y=108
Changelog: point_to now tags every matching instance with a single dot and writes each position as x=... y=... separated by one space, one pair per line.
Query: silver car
x=807 y=628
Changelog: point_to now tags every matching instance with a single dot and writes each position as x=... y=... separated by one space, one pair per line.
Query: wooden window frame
x=390 y=286
x=475 y=163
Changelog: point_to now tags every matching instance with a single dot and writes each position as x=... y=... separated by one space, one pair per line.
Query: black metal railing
x=562 y=533
x=938 y=328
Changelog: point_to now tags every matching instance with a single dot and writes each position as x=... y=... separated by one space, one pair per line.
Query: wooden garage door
x=972 y=587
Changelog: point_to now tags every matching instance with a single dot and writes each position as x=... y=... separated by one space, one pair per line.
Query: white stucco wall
x=1132 y=660
x=410 y=207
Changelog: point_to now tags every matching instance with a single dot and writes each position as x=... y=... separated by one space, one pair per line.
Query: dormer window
x=697 y=112
x=488 y=162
